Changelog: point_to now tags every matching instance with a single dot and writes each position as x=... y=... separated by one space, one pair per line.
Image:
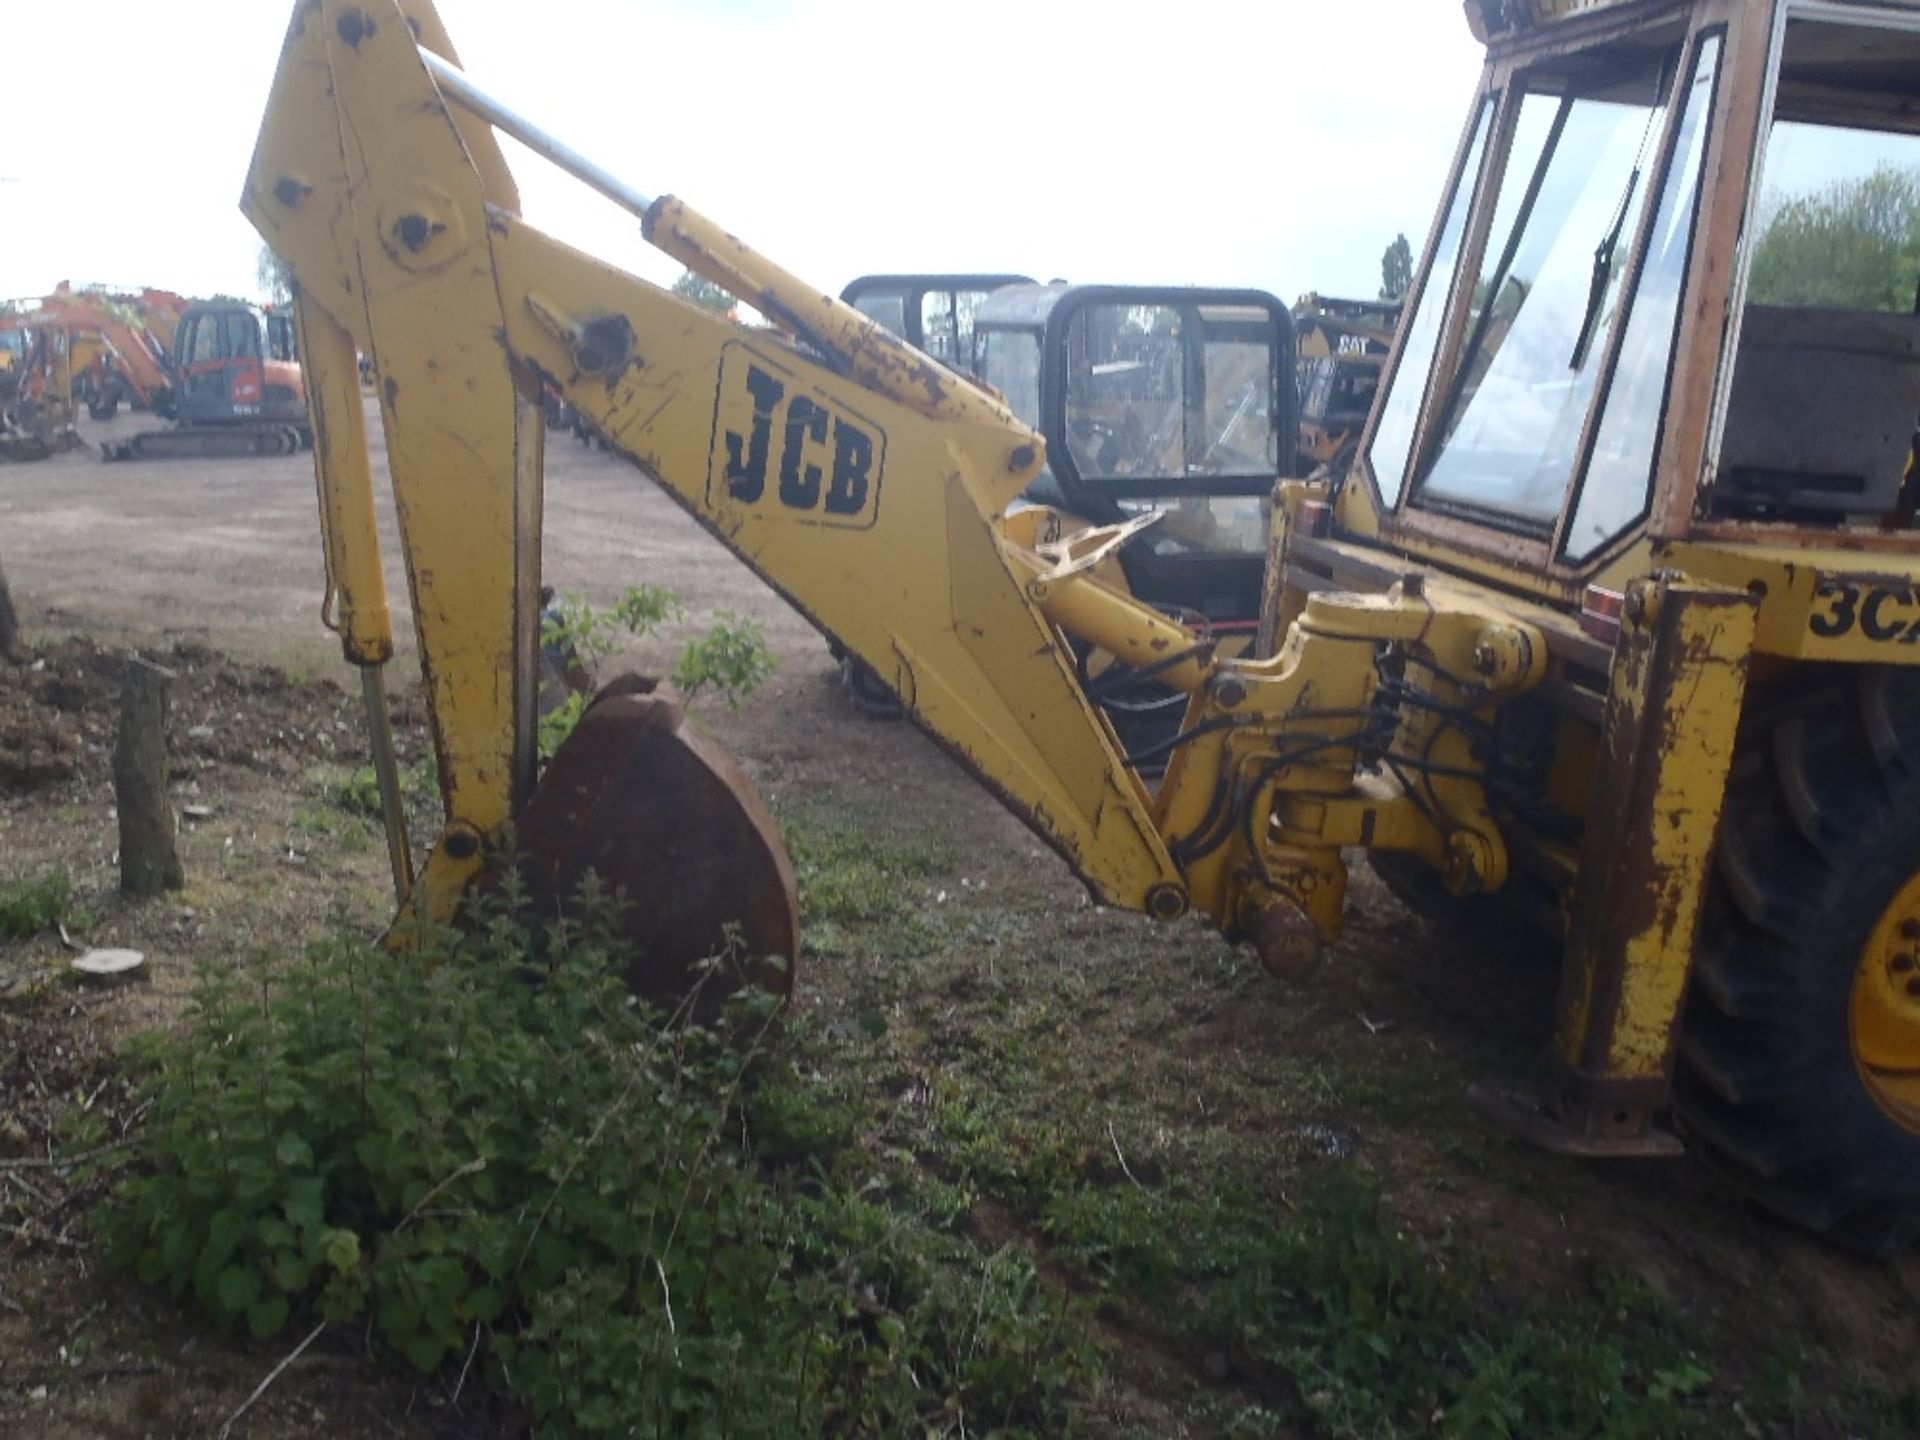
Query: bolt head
x=414 y=230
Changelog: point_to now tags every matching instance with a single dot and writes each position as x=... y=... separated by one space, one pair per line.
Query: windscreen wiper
x=1602 y=274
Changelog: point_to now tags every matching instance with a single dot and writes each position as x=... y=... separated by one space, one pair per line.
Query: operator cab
x=237 y=364
x=1170 y=400
x=932 y=313
x=13 y=358
x=1670 y=295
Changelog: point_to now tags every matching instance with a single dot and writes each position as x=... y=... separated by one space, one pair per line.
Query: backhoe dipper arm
x=395 y=217
x=859 y=479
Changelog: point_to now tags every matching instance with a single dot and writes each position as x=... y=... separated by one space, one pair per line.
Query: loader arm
x=861 y=480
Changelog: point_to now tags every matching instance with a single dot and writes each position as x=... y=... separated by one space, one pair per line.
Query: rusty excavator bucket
x=665 y=819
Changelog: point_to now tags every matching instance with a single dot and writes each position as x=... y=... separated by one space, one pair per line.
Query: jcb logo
x=781 y=450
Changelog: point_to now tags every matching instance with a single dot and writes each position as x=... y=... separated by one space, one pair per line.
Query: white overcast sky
x=1230 y=142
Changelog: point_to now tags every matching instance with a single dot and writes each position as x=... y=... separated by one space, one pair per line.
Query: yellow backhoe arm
x=857 y=477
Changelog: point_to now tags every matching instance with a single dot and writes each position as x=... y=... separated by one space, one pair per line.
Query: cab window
x=1508 y=437
x=1825 y=385
x=1392 y=446
x=243 y=335
x=886 y=308
x=1618 y=482
x=1010 y=363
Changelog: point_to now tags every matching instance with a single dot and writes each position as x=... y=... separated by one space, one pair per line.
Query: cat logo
x=789 y=452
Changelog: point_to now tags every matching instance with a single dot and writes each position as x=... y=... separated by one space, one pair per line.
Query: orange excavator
x=117 y=344
x=225 y=372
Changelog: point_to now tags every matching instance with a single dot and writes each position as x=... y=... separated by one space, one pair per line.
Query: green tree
x=1396 y=270
x=703 y=292
x=1854 y=245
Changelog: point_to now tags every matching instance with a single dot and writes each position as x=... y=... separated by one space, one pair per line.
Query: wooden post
x=148 y=862
x=10 y=648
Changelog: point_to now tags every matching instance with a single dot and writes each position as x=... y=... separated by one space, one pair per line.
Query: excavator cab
x=237 y=365
x=1342 y=347
x=932 y=313
x=13 y=350
x=1656 y=388
x=1171 y=402
x=36 y=404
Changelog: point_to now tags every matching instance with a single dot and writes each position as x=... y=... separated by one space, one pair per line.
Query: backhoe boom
x=863 y=481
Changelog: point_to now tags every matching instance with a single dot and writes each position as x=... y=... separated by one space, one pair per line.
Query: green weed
x=858 y=891
x=655 y=1229
x=29 y=906
x=732 y=658
x=1316 y=1296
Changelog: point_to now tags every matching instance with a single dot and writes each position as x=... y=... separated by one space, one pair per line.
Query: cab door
x=222 y=374
x=1179 y=402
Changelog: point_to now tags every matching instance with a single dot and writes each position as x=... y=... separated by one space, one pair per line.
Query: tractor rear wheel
x=1799 y=1061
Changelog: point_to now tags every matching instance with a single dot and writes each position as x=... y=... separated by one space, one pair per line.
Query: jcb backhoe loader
x=1614 y=616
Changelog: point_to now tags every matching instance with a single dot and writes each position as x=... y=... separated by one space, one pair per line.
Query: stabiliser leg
x=1666 y=742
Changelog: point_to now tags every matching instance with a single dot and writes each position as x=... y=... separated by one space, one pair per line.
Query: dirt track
x=226 y=552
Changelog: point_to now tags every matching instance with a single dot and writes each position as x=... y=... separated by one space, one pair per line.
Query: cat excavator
x=1343 y=345
x=1612 y=620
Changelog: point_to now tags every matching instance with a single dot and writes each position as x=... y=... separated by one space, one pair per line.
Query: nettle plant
x=643 y=1226
x=732 y=658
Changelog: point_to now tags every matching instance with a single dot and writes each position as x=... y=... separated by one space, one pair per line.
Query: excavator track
x=207 y=443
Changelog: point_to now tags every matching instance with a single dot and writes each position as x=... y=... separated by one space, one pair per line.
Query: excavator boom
x=859 y=478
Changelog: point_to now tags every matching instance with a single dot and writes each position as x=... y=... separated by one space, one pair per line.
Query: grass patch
x=30 y=906
x=1030 y=1052
x=861 y=891
x=1317 y=1302
x=655 y=1229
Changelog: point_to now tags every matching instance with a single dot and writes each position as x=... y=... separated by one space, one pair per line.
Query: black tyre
x=867 y=693
x=1799 y=1063
x=104 y=407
